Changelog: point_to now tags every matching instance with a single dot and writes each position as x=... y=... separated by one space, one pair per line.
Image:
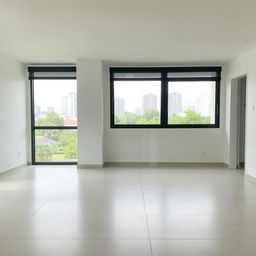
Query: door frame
x=235 y=122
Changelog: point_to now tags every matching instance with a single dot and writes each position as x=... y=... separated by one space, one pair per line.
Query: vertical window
x=185 y=97
x=54 y=115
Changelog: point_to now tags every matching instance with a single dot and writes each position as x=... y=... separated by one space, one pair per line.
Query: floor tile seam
x=76 y=238
x=142 y=191
x=30 y=216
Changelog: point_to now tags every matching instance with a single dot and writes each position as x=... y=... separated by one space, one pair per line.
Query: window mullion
x=217 y=103
x=164 y=99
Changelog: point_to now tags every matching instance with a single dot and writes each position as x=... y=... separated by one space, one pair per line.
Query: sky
x=48 y=93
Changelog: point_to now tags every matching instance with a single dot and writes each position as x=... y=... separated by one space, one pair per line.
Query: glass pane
x=191 y=102
x=137 y=102
x=137 y=75
x=55 y=102
x=191 y=74
x=55 y=145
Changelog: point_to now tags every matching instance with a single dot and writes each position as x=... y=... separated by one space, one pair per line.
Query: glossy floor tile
x=203 y=247
x=82 y=225
x=74 y=247
x=179 y=210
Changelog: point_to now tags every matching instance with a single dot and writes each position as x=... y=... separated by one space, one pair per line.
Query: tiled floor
x=183 y=211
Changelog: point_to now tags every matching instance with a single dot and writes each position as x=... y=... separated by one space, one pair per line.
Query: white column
x=90 y=113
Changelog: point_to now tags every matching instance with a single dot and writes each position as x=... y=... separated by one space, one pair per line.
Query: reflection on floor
x=59 y=211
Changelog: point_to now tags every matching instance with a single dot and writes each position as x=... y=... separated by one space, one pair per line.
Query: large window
x=165 y=97
x=54 y=115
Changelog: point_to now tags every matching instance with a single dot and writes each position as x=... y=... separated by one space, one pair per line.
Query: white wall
x=13 y=132
x=163 y=145
x=245 y=64
x=90 y=112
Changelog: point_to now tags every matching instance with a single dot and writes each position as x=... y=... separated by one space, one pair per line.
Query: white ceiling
x=174 y=31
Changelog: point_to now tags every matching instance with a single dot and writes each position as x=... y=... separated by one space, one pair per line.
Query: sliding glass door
x=54 y=115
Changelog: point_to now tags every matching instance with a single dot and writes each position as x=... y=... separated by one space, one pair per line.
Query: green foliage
x=65 y=140
x=131 y=118
x=44 y=152
x=153 y=117
x=51 y=134
x=70 y=151
x=118 y=120
x=149 y=117
x=52 y=119
x=191 y=117
x=69 y=141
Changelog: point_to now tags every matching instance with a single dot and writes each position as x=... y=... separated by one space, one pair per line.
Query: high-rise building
x=119 y=107
x=174 y=103
x=69 y=105
x=149 y=102
x=202 y=105
x=72 y=98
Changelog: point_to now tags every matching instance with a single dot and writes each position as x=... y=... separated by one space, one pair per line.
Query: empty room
x=127 y=128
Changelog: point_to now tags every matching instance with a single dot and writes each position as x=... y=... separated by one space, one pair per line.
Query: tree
x=70 y=151
x=118 y=119
x=52 y=119
x=191 y=117
x=130 y=118
x=67 y=139
x=44 y=152
x=151 y=115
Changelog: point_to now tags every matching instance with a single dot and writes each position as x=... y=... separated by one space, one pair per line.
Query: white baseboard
x=250 y=178
x=159 y=164
x=88 y=166
x=13 y=167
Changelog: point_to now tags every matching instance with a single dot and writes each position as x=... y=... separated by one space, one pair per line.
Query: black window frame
x=32 y=70
x=164 y=92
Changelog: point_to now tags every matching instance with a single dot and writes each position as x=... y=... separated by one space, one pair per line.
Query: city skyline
x=63 y=102
x=48 y=94
x=183 y=95
x=175 y=105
